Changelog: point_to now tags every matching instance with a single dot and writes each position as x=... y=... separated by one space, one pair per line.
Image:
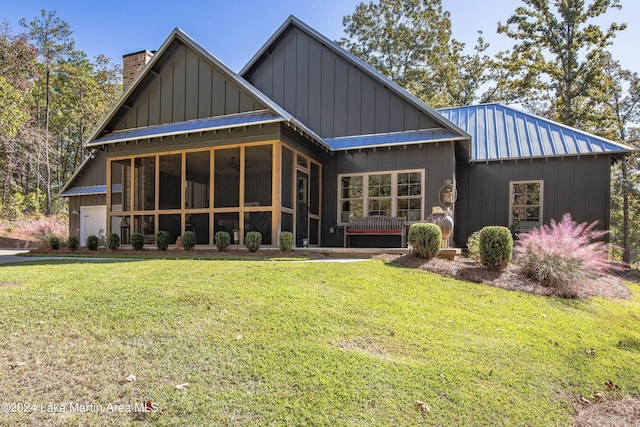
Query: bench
x=375 y=225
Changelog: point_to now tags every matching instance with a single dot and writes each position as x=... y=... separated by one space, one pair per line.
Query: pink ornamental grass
x=564 y=253
x=40 y=229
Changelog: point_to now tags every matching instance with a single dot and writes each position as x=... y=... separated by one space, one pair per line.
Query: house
x=307 y=136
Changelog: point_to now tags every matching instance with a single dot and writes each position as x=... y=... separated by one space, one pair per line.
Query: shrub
x=286 y=241
x=93 y=242
x=222 y=239
x=563 y=254
x=189 y=240
x=473 y=245
x=73 y=242
x=425 y=240
x=54 y=242
x=113 y=242
x=137 y=241
x=38 y=230
x=253 y=240
x=496 y=247
x=162 y=240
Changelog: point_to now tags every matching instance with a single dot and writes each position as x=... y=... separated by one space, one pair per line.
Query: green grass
x=291 y=343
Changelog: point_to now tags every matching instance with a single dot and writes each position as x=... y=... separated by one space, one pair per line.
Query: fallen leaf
x=182 y=386
x=392 y=333
x=597 y=397
x=610 y=384
x=423 y=407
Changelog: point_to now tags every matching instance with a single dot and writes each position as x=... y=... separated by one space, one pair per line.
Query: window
x=525 y=206
x=388 y=194
x=350 y=198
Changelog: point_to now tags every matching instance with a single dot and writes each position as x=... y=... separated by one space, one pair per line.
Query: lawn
x=297 y=343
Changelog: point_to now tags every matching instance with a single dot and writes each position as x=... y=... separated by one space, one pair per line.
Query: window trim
x=510 y=204
x=394 y=191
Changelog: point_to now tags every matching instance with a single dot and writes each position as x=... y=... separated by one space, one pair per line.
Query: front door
x=302 y=208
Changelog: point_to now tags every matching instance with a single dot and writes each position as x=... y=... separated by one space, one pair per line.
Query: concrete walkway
x=10 y=256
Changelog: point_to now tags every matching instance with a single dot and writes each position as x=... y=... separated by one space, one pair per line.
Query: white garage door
x=93 y=221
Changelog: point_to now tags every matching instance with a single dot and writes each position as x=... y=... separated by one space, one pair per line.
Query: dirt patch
x=463 y=268
x=608 y=412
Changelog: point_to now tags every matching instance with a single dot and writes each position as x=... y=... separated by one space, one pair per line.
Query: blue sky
x=234 y=30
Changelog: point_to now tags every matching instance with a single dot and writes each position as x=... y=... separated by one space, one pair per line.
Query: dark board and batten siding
x=579 y=186
x=187 y=86
x=436 y=160
x=332 y=96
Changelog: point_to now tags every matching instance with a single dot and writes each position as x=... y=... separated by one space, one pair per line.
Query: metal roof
x=499 y=132
x=190 y=126
x=85 y=191
x=393 y=138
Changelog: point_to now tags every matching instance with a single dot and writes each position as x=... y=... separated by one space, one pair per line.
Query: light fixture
x=448 y=194
x=75 y=212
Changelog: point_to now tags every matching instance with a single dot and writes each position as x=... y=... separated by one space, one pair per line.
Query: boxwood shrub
x=253 y=240
x=137 y=241
x=113 y=242
x=162 y=240
x=286 y=241
x=54 y=242
x=189 y=240
x=496 y=247
x=92 y=242
x=222 y=239
x=425 y=239
x=73 y=242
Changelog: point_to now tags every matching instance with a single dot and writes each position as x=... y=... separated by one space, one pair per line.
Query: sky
x=234 y=31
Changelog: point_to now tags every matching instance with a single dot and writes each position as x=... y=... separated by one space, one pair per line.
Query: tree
x=621 y=117
x=558 y=56
x=408 y=41
x=51 y=37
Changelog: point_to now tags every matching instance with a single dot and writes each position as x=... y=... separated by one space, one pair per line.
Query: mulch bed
x=463 y=268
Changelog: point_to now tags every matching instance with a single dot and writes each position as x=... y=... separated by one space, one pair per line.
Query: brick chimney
x=132 y=64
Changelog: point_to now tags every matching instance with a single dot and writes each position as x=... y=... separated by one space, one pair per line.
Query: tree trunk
x=46 y=147
x=626 y=234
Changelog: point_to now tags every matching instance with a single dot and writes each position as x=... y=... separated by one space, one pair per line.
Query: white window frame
x=540 y=206
x=394 y=191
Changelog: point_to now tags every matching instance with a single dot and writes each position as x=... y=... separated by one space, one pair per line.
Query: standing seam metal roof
x=499 y=132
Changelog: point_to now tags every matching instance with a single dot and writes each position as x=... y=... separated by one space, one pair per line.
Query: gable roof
x=500 y=132
x=294 y=22
x=181 y=36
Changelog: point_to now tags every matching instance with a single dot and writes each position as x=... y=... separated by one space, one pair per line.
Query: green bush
x=162 y=240
x=222 y=239
x=54 y=242
x=253 y=240
x=73 y=242
x=92 y=242
x=496 y=246
x=425 y=239
x=473 y=245
x=286 y=241
x=189 y=240
x=137 y=241
x=113 y=242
